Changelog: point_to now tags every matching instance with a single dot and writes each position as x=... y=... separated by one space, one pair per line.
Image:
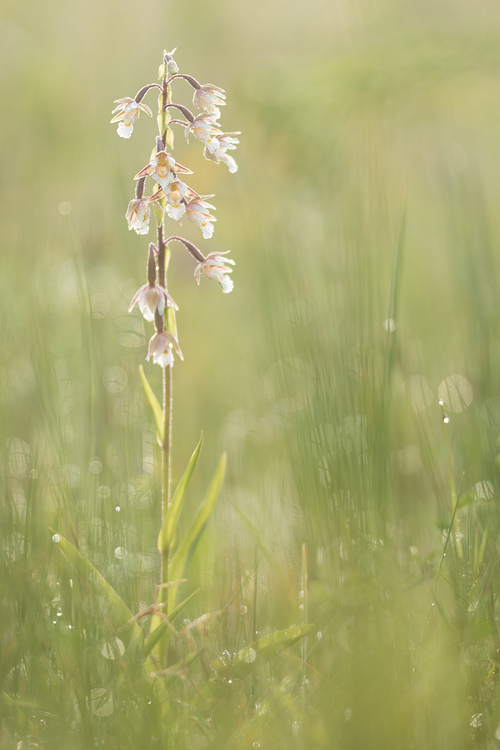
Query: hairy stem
x=166 y=448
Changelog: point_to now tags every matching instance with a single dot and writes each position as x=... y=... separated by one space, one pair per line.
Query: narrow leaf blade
x=167 y=533
x=192 y=537
x=153 y=402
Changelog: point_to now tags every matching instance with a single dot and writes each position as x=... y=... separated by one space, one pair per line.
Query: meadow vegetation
x=364 y=224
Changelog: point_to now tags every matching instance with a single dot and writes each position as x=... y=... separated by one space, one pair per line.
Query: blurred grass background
x=364 y=223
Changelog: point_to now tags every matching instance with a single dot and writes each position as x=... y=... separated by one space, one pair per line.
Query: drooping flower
x=214 y=267
x=161 y=348
x=209 y=98
x=151 y=298
x=128 y=112
x=227 y=142
x=163 y=168
x=203 y=127
x=138 y=214
x=197 y=213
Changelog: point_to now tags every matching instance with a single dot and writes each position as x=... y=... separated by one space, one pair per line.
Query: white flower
x=203 y=128
x=128 y=112
x=151 y=298
x=209 y=98
x=163 y=168
x=138 y=215
x=175 y=207
x=161 y=348
x=196 y=212
x=214 y=268
x=227 y=142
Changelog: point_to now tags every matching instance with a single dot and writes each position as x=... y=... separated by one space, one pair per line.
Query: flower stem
x=166 y=447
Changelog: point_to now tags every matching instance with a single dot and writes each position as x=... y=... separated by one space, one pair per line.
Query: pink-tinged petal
x=146 y=109
x=148 y=302
x=136 y=297
x=180 y=169
x=144 y=172
x=156 y=196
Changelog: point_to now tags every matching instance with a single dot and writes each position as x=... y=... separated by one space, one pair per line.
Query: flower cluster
x=172 y=198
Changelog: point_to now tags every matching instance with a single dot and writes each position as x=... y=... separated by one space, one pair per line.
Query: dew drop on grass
x=104 y=492
x=118 y=509
x=483 y=490
x=56 y=538
x=112 y=649
x=120 y=553
x=65 y=208
x=390 y=325
x=115 y=379
x=101 y=703
x=250 y=655
x=456 y=392
x=100 y=305
x=95 y=466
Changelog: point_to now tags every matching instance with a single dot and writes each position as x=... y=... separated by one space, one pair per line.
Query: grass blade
x=153 y=402
x=184 y=552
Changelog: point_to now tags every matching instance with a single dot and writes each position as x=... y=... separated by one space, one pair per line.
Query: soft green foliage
x=368 y=190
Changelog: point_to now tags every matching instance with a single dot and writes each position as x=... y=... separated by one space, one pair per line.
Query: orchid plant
x=151 y=662
x=170 y=198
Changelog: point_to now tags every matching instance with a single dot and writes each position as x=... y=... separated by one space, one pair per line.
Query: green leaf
x=188 y=544
x=167 y=533
x=263 y=650
x=119 y=613
x=157 y=633
x=153 y=401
